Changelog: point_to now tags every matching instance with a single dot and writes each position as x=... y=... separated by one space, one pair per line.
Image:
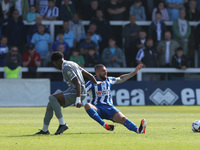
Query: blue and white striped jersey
x=101 y=94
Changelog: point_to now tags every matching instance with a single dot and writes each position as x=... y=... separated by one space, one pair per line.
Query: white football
x=196 y=126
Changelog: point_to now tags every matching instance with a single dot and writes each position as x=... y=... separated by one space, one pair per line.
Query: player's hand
x=78 y=105
x=99 y=82
x=137 y=69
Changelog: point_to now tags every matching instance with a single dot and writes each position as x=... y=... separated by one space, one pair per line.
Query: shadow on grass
x=33 y=135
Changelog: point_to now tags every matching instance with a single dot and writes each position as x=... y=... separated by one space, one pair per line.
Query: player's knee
x=51 y=98
x=87 y=106
x=123 y=119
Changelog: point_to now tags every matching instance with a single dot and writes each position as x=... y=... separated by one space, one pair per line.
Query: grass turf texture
x=168 y=127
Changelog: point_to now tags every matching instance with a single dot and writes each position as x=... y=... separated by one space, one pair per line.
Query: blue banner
x=150 y=93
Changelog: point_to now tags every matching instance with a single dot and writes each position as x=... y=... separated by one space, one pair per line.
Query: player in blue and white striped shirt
x=101 y=106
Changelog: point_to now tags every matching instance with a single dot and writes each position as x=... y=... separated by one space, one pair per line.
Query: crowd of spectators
x=156 y=45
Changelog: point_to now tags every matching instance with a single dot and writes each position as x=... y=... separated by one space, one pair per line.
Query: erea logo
x=167 y=97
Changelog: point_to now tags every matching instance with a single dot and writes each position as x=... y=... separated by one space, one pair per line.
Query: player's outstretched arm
x=90 y=77
x=125 y=77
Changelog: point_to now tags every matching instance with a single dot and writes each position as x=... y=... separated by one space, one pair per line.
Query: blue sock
x=130 y=125
x=93 y=114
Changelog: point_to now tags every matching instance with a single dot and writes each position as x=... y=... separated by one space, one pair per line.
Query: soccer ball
x=196 y=126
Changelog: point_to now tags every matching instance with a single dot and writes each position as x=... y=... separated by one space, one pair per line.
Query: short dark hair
x=75 y=50
x=179 y=49
x=56 y=56
x=92 y=48
x=61 y=32
x=138 y=1
x=158 y=12
x=97 y=67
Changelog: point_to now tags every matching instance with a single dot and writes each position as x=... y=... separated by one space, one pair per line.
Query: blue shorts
x=106 y=111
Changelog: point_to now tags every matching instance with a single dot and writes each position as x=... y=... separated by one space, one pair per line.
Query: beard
x=103 y=77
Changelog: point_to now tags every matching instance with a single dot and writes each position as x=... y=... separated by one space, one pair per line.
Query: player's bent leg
x=56 y=101
x=92 y=112
x=120 y=118
x=47 y=119
x=88 y=106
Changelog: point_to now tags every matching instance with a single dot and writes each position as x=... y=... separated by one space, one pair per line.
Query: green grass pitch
x=168 y=127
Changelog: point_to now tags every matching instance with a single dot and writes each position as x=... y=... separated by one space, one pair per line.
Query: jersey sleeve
x=69 y=73
x=112 y=80
x=88 y=86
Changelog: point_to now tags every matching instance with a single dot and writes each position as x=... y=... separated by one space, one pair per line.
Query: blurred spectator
x=59 y=42
x=141 y=40
x=6 y=6
x=40 y=5
x=130 y=34
x=181 y=29
x=15 y=31
x=149 y=6
x=3 y=49
x=86 y=44
x=12 y=64
x=42 y=42
x=147 y=56
x=138 y=10
x=67 y=10
x=127 y=4
x=61 y=48
x=192 y=14
x=173 y=8
x=197 y=41
x=22 y=6
x=50 y=12
x=32 y=3
x=32 y=60
x=91 y=58
x=157 y=29
x=198 y=5
x=34 y=28
x=166 y=49
x=112 y=56
x=91 y=10
x=115 y=10
x=76 y=57
x=69 y=36
x=77 y=27
x=179 y=61
x=103 y=28
x=58 y=3
x=32 y=14
x=186 y=4
x=161 y=7
x=95 y=37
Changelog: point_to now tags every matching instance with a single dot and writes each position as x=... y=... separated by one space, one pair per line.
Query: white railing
x=122 y=70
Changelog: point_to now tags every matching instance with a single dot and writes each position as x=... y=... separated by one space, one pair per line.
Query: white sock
x=61 y=121
x=45 y=127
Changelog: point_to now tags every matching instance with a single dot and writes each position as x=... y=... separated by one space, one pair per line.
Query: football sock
x=45 y=128
x=61 y=121
x=130 y=125
x=93 y=114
